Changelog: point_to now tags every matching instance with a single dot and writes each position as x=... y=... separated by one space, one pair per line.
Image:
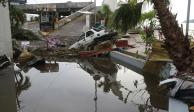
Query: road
x=68 y=34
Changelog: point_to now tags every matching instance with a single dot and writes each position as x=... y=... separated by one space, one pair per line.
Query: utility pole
x=188 y=18
x=95 y=11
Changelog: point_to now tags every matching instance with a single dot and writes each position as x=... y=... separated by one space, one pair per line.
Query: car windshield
x=89 y=33
x=99 y=28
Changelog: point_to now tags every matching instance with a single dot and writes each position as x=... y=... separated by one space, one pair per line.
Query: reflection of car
x=179 y=88
x=88 y=37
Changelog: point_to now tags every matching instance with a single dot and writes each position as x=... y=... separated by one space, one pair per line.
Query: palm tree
x=177 y=45
x=106 y=12
x=17 y=17
x=127 y=15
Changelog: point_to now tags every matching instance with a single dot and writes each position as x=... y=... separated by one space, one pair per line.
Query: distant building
x=114 y=4
x=5 y=32
x=18 y=1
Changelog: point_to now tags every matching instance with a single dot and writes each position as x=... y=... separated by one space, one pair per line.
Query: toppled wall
x=5 y=32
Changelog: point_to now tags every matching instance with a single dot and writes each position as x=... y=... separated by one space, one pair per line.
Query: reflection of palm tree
x=152 y=80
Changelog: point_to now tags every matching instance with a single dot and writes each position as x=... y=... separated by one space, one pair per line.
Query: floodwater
x=87 y=85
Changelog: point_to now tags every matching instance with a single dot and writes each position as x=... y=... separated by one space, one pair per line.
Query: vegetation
x=147 y=35
x=177 y=45
x=17 y=19
x=106 y=13
x=3 y=2
x=148 y=23
x=23 y=34
x=148 y=15
x=127 y=15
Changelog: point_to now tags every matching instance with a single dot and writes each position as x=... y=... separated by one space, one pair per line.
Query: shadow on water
x=104 y=73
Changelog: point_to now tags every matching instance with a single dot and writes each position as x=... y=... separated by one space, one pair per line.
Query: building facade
x=5 y=32
x=114 y=4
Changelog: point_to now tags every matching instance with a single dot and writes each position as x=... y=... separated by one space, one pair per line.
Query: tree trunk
x=177 y=45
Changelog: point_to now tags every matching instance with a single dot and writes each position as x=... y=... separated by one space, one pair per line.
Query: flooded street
x=84 y=86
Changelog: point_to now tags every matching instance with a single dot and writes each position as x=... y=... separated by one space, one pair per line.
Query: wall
x=5 y=32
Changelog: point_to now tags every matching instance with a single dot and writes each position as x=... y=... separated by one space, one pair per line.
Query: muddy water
x=88 y=85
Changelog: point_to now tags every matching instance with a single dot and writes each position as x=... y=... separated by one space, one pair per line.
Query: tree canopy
x=127 y=15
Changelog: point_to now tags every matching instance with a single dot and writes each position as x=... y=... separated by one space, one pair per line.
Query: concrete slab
x=7 y=90
x=128 y=61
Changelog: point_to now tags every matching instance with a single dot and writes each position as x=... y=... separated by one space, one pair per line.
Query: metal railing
x=69 y=18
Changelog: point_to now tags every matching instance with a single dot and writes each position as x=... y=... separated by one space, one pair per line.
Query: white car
x=179 y=88
x=88 y=37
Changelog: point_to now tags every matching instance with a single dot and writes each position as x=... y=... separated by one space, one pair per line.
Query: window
x=82 y=36
x=89 y=33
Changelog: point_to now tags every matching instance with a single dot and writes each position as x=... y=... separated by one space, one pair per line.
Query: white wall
x=5 y=32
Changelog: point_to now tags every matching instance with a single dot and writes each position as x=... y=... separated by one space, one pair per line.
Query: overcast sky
x=178 y=6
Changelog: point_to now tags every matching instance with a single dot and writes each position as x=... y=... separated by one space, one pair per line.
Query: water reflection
x=104 y=72
x=48 y=67
x=22 y=83
x=114 y=80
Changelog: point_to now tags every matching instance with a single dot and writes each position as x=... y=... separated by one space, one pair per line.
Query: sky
x=178 y=6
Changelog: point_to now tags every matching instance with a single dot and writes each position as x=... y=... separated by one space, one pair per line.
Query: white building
x=5 y=32
x=114 y=4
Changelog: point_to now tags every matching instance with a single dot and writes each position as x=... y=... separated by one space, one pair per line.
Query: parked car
x=87 y=37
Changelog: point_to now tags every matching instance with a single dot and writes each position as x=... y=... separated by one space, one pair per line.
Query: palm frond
x=127 y=16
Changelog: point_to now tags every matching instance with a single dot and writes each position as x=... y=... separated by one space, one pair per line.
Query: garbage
x=104 y=45
x=25 y=56
x=35 y=61
x=52 y=42
x=16 y=53
x=4 y=61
